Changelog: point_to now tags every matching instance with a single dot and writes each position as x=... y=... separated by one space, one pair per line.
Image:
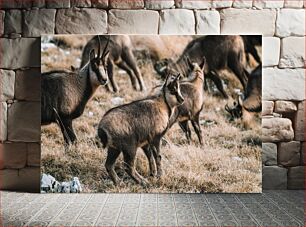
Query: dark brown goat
x=141 y=124
x=64 y=94
x=121 y=54
x=220 y=52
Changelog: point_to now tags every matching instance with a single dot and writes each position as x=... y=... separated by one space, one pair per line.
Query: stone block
x=296 y=178
x=208 y=22
x=38 y=21
x=285 y=107
x=267 y=108
x=261 y=4
x=27 y=85
x=221 y=4
x=13 y=155
x=293 y=3
x=38 y=3
x=13 y=22
x=99 y=3
x=55 y=4
x=271 y=51
x=303 y=158
x=290 y=22
x=34 y=154
x=81 y=21
x=3 y=121
x=126 y=4
x=159 y=4
x=283 y=84
x=248 y=21
x=274 y=177
x=15 y=4
x=2 y=15
x=269 y=154
x=191 y=4
x=24 y=122
x=7 y=84
x=292 y=52
x=177 y=21
x=80 y=3
x=242 y=4
x=25 y=180
x=277 y=130
x=289 y=153
x=20 y=53
x=133 y=22
x=299 y=122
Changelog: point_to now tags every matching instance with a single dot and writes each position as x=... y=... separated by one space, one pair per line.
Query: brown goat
x=121 y=54
x=141 y=123
x=64 y=94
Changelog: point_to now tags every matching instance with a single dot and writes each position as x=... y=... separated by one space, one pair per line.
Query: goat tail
x=103 y=137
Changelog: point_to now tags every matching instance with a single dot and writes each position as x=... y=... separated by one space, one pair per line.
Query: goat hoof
x=159 y=174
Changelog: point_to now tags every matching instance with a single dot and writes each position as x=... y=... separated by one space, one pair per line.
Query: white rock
x=208 y=22
x=116 y=101
x=3 y=121
x=285 y=106
x=242 y=4
x=292 y=52
x=267 y=108
x=283 y=84
x=271 y=51
x=153 y=4
x=293 y=4
x=269 y=154
x=277 y=130
x=191 y=4
x=177 y=21
x=290 y=22
x=261 y=4
x=248 y=21
x=221 y=4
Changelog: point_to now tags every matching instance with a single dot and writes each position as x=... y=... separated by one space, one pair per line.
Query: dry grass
x=229 y=161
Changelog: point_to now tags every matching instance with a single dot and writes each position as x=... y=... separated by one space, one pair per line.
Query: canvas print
x=151 y=113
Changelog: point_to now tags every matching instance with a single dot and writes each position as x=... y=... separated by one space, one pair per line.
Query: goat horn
x=99 y=49
x=227 y=108
x=105 y=48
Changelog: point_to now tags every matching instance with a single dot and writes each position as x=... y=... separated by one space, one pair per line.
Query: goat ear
x=92 y=54
x=202 y=65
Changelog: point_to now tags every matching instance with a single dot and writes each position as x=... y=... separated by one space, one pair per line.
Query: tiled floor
x=271 y=208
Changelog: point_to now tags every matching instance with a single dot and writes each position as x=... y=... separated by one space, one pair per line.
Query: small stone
x=289 y=154
x=99 y=3
x=55 y=4
x=274 y=177
x=267 y=108
x=293 y=4
x=285 y=107
x=222 y=4
x=7 y=84
x=13 y=155
x=299 y=122
x=2 y=15
x=177 y=21
x=261 y=4
x=38 y=3
x=191 y=4
x=3 y=121
x=208 y=22
x=292 y=52
x=159 y=4
x=13 y=21
x=126 y=4
x=271 y=51
x=269 y=154
x=276 y=130
x=290 y=22
x=80 y=3
x=296 y=178
x=27 y=85
x=303 y=158
x=242 y=4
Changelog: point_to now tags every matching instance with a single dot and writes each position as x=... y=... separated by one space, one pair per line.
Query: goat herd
x=143 y=123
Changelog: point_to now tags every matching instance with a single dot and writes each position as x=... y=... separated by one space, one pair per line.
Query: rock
x=25 y=180
x=299 y=122
x=269 y=154
x=233 y=21
x=7 y=84
x=100 y=4
x=242 y=4
x=271 y=51
x=261 y=4
x=153 y=4
x=276 y=130
x=283 y=84
x=285 y=107
x=177 y=21
x=191 y=4
x=18 y=53
x=13 y=21
x=81 y=21
x=296 y=178
x=27 y=85
x=80 y=3
x=116 y=101
x=38 y=21
x=3 y=121
x=13 y=155
x=289 y=154
x=293 y=4
x=39 y=3
x=221 y=4
x=267 y=108
x=2 y=15
x=303 y=159
x=15 y=4
x=290 y=22
x=24 y=122
x=208 y=22
x=274 y=177
x=126 y=4
x=292 y=52
x=33 y=157
x=127 y=21
x=55 y=4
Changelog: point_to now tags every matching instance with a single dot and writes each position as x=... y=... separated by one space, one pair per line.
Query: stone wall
x=282 y=22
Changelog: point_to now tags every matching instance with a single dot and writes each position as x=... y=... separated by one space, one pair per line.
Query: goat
x=121 y=54
x=64 y=94
x=220 y=52
x=250 y=41
x=140 y=123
